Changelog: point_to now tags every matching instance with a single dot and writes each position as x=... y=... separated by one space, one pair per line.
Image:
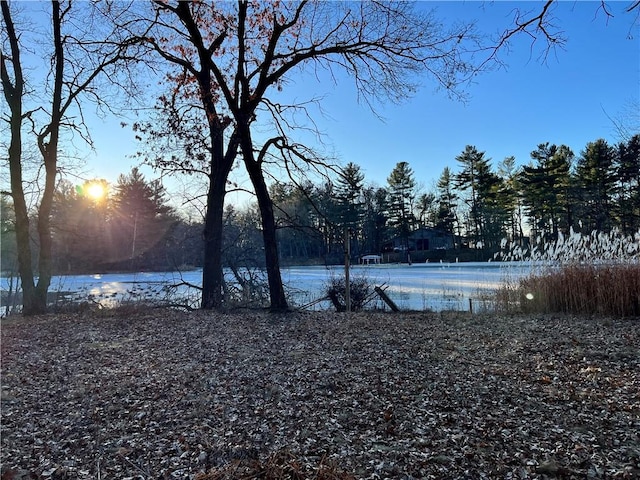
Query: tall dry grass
x=598 y=273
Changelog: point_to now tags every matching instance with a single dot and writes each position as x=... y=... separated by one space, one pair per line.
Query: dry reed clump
x=583 y=274
x=584 y=289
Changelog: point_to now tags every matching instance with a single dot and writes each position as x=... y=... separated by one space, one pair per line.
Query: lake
x=434 y=286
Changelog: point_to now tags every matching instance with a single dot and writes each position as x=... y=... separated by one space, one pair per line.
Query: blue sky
x=565 y=100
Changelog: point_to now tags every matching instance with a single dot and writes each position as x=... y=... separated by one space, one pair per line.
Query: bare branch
x=633 y=6
x=533 y=26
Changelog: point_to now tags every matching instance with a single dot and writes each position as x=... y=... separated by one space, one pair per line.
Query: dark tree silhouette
x=240 y=54
x=78 y=60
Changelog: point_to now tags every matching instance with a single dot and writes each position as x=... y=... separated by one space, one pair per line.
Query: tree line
x=222 y=68
x=480 y=205
x=134 y=228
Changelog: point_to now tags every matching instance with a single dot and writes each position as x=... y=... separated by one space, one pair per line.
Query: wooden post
x=386 y=299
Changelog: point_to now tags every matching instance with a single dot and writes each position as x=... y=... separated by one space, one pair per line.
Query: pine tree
x=547 y=189
x=509 y=198
x=141 y=217
x=627 y=197
x=374 y=225
x=480 y=182
x=80 y=228
x=596 y=182
x=446 y=218
x=427 y=209
x=350 y=204
x=402 y=193
x=349 y=195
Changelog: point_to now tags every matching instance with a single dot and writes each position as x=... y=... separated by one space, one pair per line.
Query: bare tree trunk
x=13 y=93
x=212 y=274
x=37 y=304
x=272 y=258
x=48 y=141
x=276 y=289
x=221 y=163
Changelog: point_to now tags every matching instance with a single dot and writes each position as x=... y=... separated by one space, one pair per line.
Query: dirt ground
x=166 y=394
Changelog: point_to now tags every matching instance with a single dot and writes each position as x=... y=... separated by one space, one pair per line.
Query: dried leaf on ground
x=166 y=394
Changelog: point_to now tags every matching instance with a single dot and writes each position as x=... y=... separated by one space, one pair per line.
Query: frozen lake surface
x=434 y=286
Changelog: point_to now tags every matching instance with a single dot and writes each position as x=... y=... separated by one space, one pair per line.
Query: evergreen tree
x=326 y=212
x=301 y=224
x=374 y=229
x=80 y=227
x=401 y=197
x=496 y=211
x=141 y=219
x=480 y=182
x=596 y=181
x=187 y=248
x=509 y=198
x=348 y=191
x=349 y=203
x=546 y=189
x=627 y=197
x=427 y=210
x=447 y=198
x=291 y=215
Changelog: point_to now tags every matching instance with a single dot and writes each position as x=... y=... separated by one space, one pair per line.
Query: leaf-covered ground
x=164 y=394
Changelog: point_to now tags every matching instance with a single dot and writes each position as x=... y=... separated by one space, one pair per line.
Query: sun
x=96 y=191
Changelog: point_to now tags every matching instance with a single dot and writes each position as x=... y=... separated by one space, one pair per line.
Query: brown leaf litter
x=165 y=394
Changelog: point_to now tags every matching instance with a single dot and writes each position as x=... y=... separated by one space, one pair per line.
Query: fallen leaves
x=319 y=395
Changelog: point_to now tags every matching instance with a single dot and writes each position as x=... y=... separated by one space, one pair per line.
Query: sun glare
x=96 y=191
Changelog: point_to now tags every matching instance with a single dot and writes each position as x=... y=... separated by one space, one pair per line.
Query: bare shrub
x=248 y=288
x=361 y=292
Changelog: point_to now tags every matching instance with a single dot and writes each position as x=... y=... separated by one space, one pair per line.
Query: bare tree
x=77 y=62
x=13 y=93
x=626 y=123
x=541 y=25
x=239 y=55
